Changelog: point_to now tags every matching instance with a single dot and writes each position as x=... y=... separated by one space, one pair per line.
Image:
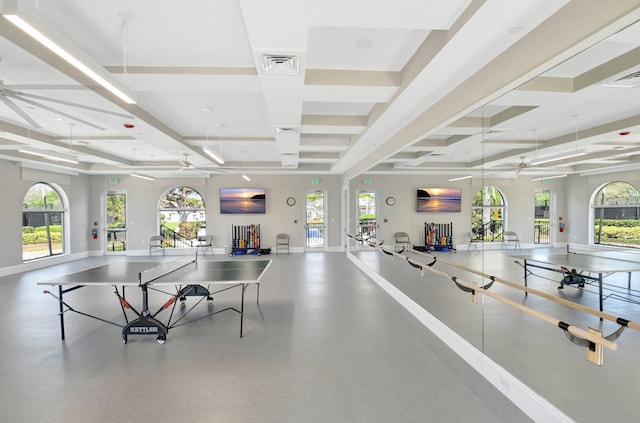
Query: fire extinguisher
x=561 y=225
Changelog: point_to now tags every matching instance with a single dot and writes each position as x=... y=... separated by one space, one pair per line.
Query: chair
x=205 y=242
x=510 y=237
x=156 y=242
x=473 y=241
x=282 y=241
x=402 y=241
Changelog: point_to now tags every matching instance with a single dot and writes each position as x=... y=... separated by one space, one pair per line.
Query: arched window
x=488 y=211
x=182 y=217
x=42 y=222
x=616 y=214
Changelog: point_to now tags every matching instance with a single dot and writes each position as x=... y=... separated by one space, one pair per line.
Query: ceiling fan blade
x=68 y=103
x=59 y=113
x=20 y=112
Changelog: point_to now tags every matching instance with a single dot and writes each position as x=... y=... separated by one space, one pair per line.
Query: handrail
x=174 y=239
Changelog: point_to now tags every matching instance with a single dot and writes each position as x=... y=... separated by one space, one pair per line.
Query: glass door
x=367 y=222
x=542 y=221
x=315 y=228
x=116 y=222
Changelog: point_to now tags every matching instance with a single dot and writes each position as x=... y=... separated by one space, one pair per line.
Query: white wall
x=143 y=197
x=85 y=193
x=16 y=182
x=519 y=193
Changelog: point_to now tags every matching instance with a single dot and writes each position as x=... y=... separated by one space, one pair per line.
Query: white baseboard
x=44 y=262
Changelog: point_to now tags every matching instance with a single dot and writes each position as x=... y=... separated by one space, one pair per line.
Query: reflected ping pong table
x=597 y=263
x=189 y=277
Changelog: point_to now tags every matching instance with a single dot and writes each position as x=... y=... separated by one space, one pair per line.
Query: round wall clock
x=390 y=201
x=291 y=201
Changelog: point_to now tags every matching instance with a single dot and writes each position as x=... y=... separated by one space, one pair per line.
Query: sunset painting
x=437 y=200
x=242 y=200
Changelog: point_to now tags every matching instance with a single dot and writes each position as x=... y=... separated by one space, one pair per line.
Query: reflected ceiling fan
x=10 y=98
x=517 y=168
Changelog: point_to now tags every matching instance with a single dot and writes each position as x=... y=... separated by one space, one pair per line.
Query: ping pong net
x=154 y=273
x=622 y=254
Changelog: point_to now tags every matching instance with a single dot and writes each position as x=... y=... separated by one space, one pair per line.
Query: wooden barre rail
x=581 y=333
x=619 y=320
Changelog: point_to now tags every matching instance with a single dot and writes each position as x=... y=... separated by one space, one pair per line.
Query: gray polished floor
x=325 y=344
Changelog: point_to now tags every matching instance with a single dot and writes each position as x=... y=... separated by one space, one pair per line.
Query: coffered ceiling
x=460 y=88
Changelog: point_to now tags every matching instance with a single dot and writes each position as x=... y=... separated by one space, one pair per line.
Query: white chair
x=156 y=242
x=402 y=241
x=510 y=237
x=205 y=242
x=282 y=241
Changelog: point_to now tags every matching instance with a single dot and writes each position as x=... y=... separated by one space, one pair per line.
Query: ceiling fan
x=9 y=97
x=186 y=164
x=518 y=167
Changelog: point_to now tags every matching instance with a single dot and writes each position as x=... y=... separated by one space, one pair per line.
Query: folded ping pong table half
x=187 y=275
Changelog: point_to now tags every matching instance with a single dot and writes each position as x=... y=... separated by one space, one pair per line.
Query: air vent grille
x=627 y=81
x=280 y=64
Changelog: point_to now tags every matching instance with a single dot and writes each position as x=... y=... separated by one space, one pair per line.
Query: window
x=42 y=222
x=182 y=217
x=616 y=215
x=488 y=211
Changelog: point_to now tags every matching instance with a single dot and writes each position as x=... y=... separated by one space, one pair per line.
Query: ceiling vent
x=627 y=81
x=280 y=64
x=285 y=130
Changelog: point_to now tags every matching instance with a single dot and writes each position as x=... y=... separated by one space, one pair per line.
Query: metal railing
x=367 y=229
x=173 y=239
x=489 y=232
x=541 y=232
x=315 y=234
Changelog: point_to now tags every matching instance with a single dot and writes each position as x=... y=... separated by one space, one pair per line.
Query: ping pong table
x=187 y=275
x=597 y=264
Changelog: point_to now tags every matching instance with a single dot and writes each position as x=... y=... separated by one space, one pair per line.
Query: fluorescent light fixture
x=246 y=178
x=213 y=155
x=51 y=155
x=461 y=178
x=145 y=177
x=548 y=177
x=557 y=157
x=29 y=23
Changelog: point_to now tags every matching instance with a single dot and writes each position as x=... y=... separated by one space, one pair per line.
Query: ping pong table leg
x=244 y=287
x=61 y=305
x=525 y=277
x=600 y=291
x=629 y=281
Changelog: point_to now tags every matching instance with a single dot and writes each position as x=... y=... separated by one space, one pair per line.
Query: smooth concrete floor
x=326 y=344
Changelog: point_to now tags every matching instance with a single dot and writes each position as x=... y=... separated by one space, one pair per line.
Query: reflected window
x=42 y=222
x=182 y=216
x=616 y=215
x=488 y=211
